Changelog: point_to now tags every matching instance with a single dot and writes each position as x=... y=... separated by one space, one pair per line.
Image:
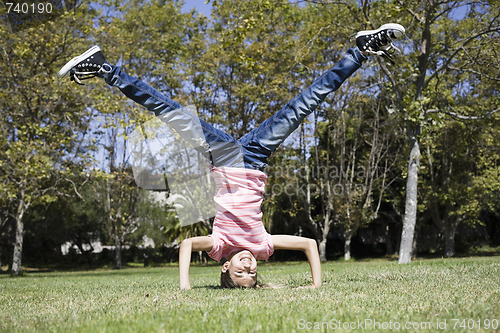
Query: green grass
x=148 y=299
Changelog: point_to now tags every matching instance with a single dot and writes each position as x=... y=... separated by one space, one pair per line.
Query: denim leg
x=221 y=148
x=262 y=141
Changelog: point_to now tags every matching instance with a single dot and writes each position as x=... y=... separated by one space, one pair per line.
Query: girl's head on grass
x=240 y=271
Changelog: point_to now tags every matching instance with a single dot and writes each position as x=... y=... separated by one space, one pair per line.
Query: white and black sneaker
x=86 y=66
x=379 y=41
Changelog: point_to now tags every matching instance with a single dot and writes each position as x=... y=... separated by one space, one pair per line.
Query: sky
x=199 y=5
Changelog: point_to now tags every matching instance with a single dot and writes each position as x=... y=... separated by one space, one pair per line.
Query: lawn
x=435 y=295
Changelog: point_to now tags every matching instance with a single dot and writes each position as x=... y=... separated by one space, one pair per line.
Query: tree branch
x=461 y=116
x=421 y=20
x=452 y=56
x=474 y=72
x=327 y=2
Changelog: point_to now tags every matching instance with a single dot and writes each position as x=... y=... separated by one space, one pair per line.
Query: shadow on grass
x=476 y=252
x=138 y=269
x=91 y=272
x=211 y=287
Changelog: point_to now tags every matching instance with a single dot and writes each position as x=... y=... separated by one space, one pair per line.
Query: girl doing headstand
x=238 y=233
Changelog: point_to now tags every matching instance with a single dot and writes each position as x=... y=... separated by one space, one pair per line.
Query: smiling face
x=242 y=268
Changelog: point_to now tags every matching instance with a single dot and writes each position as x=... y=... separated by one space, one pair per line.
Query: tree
x=114 y=186
x=462 y=149
x=155 y=59
x=40 y=117
x=438 y=45
x=247 y=72
x=445 y=46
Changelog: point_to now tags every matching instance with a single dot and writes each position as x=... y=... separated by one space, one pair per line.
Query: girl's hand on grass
x=308 y=246
x=201 y=243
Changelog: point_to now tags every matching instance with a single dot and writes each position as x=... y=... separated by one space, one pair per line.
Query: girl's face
x=242 y=267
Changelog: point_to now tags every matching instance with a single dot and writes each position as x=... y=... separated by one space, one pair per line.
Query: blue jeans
x=254 y=148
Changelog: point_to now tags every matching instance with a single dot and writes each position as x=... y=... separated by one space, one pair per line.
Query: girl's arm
x=308 y=246
x=201 y=243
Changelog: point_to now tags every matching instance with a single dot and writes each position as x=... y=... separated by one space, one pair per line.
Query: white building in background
x=98 y=247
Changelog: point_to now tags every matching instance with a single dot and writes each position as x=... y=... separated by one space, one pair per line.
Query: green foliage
x=40 y=117
x=252 y=66
x=41 y=121
x=238 y=67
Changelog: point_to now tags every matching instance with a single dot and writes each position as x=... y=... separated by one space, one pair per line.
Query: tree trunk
x=347 y=246
x=118 y=253
x=324 y=237
x=322 y=249
x=388 y=240
x=1 y=269
x=17 y=253
x=449 y=237
x=410 y=217
x=202 y=259
x=414 y=244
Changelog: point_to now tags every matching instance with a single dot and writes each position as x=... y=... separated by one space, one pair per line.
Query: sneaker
x=379 y=41
x=86 y=66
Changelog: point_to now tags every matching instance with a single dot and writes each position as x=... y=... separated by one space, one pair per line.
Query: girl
x=238 y=165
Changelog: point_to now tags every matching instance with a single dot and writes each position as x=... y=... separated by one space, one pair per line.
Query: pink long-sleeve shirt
x=238 y=222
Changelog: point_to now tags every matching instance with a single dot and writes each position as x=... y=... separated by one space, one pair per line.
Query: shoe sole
x=398 y=28
x=73 y=62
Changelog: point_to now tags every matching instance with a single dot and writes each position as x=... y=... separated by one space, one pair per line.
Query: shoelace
x=380 y=40
x=79 y=76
